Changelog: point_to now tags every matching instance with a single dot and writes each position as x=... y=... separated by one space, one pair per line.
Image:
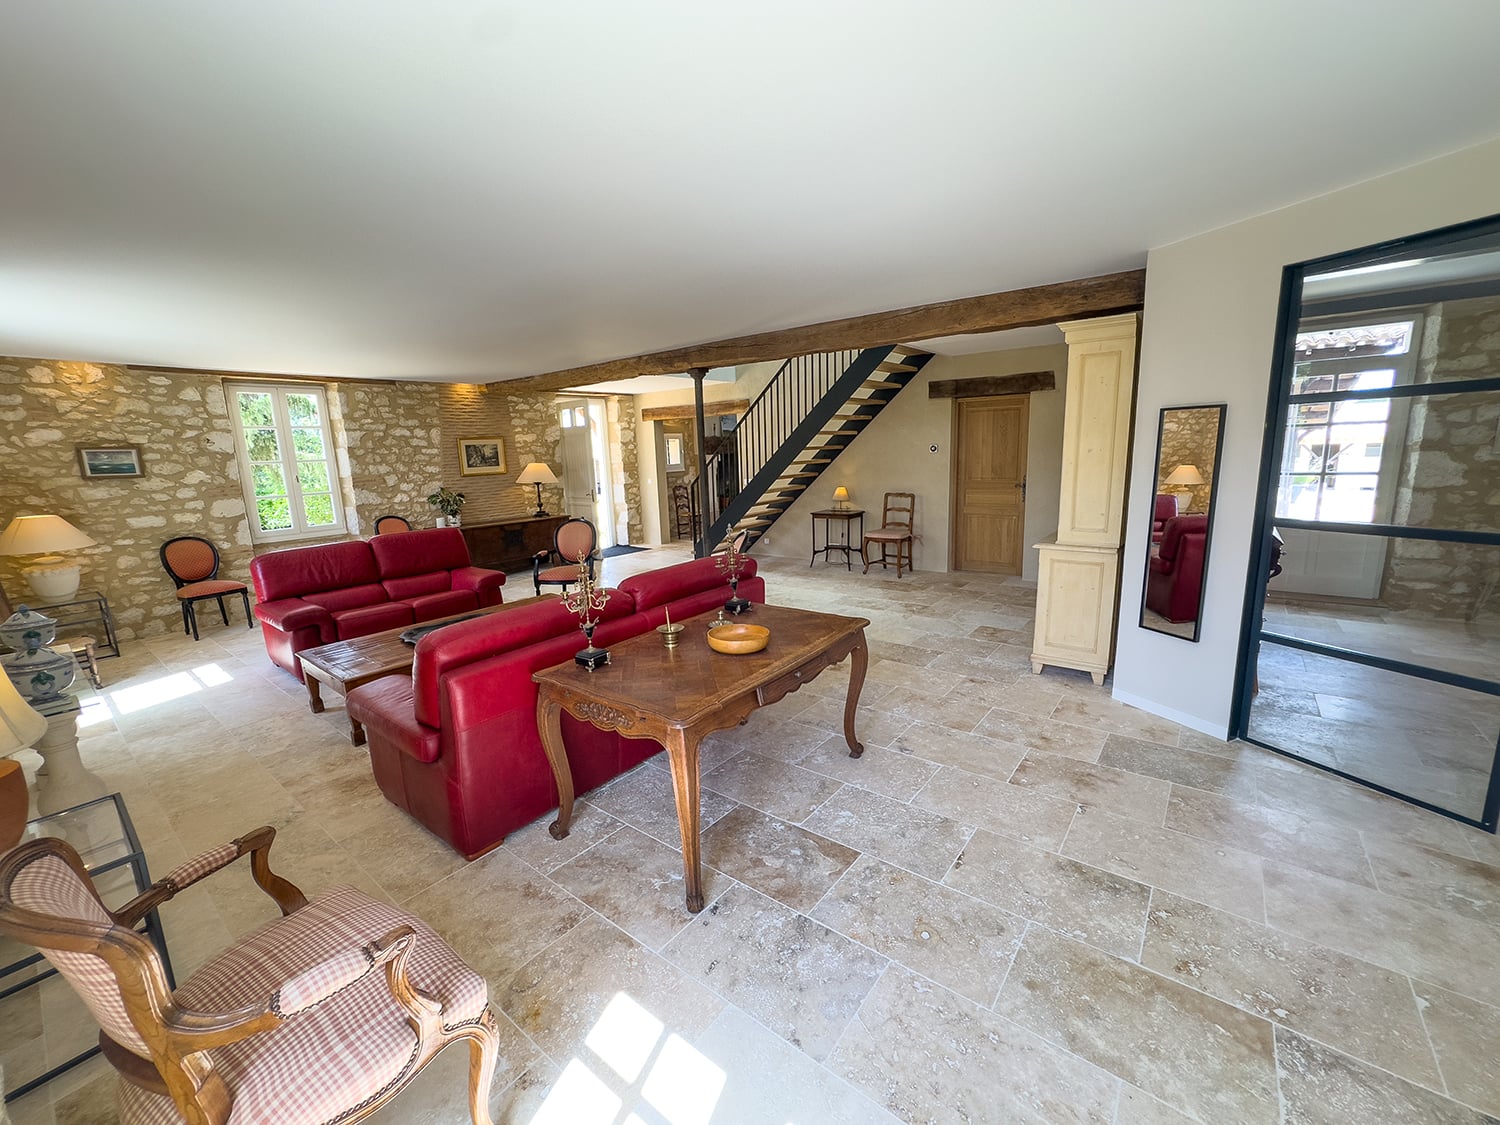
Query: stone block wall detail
x=395 y=442
x=1188 y=438
x=1450 y=471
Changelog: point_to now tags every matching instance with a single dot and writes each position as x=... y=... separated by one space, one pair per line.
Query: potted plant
x=449 y=504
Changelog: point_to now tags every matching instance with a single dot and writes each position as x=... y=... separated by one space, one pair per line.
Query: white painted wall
x=892 y=455
x=1208 y=336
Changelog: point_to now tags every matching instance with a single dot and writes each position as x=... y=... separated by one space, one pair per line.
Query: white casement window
x=287 y=465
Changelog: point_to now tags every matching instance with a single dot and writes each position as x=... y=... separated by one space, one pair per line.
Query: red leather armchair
x=1175 y=581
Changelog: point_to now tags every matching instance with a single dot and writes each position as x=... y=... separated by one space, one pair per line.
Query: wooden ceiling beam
x=690 y=410
x=1106 y=295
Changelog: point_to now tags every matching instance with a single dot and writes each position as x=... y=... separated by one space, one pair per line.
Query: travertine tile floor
x=1430 y=740
x=1025 y=903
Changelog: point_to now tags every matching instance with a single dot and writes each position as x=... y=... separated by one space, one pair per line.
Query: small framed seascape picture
x=479 y=457
x=111 y=461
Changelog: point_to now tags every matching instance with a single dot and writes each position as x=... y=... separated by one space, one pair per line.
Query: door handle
x=1021 y=484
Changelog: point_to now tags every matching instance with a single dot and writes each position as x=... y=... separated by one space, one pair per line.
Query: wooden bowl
x=738 y=639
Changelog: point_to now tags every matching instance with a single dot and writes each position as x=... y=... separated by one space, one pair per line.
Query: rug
x=622 y=549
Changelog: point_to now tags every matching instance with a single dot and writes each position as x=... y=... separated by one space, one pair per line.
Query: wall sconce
x=52 y=577
x=538 y=474
x=841 y=498
x=1184 y=474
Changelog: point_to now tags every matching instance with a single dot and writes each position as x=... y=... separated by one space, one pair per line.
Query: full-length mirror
x=1188 y=439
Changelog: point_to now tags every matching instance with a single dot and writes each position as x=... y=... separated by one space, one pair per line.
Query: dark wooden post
x=700 y=549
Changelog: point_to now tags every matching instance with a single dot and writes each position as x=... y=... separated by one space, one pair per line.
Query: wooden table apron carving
x=677 y=696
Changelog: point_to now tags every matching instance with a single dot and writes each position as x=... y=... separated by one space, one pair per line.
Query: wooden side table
x=829 y=516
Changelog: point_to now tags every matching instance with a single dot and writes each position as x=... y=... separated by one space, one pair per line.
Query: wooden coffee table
x=676 y=696
x=344 y=665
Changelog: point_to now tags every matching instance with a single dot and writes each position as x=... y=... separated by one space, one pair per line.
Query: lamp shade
x=1185 y=474
x=536 y=473
x=20 y=724
x=841 y=493
x=40 y=535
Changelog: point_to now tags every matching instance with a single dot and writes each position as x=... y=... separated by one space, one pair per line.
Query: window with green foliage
x=286 y=461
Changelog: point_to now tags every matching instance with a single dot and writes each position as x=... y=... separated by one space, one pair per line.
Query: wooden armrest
x=257 y=844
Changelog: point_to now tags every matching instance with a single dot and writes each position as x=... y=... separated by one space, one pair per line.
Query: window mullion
x=289 y=460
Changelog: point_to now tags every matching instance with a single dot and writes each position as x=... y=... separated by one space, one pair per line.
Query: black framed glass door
x=1374 y=650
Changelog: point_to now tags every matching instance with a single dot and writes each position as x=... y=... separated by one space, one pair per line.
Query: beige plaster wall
x=894 y=455
x=1209 y=334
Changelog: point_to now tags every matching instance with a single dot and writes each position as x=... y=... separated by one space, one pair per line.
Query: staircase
x=811 y=410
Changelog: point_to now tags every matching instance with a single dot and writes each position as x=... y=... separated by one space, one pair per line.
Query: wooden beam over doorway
x=991 y=385
x=1088 y=297
x=690 y=410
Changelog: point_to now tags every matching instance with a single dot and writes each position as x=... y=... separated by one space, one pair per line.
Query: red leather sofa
x=1163 y=510
x=315 y=595
x=1175 y=580
x=455 y=744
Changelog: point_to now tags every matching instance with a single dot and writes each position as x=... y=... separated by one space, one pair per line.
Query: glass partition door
x=1373 y=642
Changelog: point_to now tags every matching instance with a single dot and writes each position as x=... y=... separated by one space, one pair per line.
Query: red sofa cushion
x=303 y=570
x=420 y=552
x=428 y=606
x=384 y=707
x=367 y=619
x=352 y=598
x=415 y=586
x=672 y=583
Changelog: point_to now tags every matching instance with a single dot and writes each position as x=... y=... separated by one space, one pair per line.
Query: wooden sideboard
x=509 y=545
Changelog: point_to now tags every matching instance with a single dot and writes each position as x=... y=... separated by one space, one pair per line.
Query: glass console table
x=105 y=839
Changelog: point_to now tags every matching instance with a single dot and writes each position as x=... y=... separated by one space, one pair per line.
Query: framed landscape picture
x=110 y=461
x=481 y=456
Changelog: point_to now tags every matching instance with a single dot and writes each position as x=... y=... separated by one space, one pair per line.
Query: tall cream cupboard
x=1078 y=576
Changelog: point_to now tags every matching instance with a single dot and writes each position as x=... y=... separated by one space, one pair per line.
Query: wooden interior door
x=990 y=484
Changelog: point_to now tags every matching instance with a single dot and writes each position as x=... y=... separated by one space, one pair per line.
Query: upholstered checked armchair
x=320 y=1016
x=573 y=543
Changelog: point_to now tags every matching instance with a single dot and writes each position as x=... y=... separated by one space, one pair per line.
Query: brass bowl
x=738 y=639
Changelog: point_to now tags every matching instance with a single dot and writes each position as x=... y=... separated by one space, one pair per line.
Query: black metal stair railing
x=801 y=399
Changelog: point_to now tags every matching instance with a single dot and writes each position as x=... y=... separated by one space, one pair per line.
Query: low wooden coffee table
x=676 y=696
x=344 y=665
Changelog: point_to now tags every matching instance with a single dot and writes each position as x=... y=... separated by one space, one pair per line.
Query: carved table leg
x=682 y=754
x=314 y=694
x=549 y=724
x=857 y=668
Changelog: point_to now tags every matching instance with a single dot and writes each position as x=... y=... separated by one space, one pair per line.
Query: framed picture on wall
x=673 y=444
x=479 y=457
x=112 y=461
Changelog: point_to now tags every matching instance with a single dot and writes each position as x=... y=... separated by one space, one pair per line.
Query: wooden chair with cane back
x=324 y=1014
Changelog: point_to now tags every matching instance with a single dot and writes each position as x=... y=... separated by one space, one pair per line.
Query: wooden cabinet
x=1078 y=575
x=508 y=545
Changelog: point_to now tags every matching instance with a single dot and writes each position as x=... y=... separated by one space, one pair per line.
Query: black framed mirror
x=1188 y=442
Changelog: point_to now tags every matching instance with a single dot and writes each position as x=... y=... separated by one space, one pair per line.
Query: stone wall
x=395 y=442
x=191 y=486
x=389 y=438
x=1450 y=471
x=1189 y=437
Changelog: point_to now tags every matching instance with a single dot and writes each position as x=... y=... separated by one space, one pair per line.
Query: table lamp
x=841 y=498
x=20 y=727
x=1184 y=474
x=538 y=474
x=52 y=577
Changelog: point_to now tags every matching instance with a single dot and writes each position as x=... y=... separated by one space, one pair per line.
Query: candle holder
x=730 y=563
x=587 y=601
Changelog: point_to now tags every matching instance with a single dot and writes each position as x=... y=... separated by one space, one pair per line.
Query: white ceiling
x=472 y=189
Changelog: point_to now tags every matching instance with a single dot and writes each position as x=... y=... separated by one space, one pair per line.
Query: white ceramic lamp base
x=53 y=579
